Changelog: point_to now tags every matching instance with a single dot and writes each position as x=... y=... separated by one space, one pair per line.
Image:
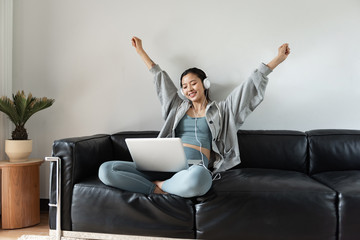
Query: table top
x=7 y=163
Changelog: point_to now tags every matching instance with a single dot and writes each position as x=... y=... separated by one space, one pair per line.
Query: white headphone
x=206 y=83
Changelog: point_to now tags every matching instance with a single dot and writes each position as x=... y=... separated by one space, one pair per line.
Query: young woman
x=208 y=129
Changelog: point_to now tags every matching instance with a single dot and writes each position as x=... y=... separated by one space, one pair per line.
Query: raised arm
x=246 y=97
x=137 y=44
x=283 y=53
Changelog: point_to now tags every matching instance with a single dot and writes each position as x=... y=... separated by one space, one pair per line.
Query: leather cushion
x=334 y=150
x=121 y=152
x=99 y=208
x=347 y=184
x=277 y=149
x=264 y=203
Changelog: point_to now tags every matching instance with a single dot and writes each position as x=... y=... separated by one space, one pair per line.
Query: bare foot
x=158 y=183
x=158 y=189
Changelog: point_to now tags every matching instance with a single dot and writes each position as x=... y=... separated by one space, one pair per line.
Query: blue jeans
x=194 y=181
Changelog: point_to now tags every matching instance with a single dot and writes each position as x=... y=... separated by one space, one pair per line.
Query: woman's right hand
x=137 y=44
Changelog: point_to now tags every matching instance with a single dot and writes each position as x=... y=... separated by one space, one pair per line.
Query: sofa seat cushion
x=266 y=204
x=99 y=208
x=347 y=184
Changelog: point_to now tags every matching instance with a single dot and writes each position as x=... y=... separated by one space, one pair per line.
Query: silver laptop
x=157 y=154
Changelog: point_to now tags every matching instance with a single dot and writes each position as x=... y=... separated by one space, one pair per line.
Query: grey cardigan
x=224 y=118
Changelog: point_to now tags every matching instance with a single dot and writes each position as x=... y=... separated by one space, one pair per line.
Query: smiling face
x=193 y=88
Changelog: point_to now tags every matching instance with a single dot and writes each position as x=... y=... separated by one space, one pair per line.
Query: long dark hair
x=200 y=74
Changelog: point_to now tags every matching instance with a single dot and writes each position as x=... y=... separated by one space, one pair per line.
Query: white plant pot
x=18 y=150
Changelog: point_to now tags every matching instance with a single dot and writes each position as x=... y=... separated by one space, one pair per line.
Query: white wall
x=79 y=52
x=6 y=45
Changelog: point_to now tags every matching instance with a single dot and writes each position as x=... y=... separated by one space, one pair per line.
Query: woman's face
x=192 y=87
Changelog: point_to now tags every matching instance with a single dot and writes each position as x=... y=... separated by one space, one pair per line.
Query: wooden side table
x=20 y=193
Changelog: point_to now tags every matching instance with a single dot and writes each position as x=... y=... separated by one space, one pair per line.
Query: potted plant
x=19 y=110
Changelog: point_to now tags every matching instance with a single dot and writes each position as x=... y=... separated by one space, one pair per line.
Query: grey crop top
x=186 y=131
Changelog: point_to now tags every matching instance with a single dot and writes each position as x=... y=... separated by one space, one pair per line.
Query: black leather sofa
x=290 y=185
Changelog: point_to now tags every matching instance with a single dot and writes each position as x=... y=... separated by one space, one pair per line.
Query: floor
x=41 y=229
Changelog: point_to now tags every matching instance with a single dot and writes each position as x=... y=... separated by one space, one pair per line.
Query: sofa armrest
x=80 y=159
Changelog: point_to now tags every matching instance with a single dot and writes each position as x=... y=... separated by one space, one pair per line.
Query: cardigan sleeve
x=245 y=98
x=165 y=89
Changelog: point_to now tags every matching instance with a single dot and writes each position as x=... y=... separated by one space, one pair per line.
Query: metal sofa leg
x=58 y=194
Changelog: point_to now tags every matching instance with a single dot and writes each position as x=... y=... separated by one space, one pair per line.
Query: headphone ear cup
x=206 y=83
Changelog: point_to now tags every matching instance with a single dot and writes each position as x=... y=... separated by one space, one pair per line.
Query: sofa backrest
x=334 y=150
x=275 y=149
x=121 y=152
x=310 y=152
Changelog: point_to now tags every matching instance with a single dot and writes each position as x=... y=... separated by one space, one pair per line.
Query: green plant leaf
x=8 y=107
x=37 y=105
x=21 y=108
